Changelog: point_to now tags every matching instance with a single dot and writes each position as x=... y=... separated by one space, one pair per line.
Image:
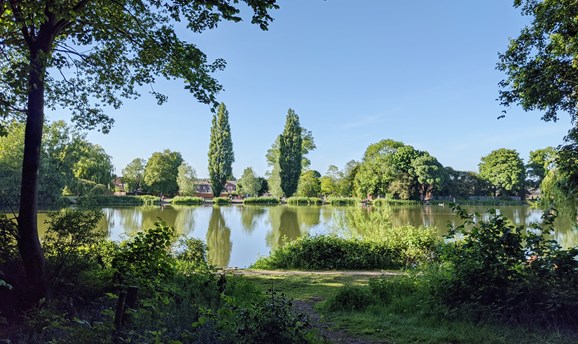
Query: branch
x=20 y=19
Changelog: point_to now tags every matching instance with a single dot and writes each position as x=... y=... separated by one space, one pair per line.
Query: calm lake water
x=238 y=235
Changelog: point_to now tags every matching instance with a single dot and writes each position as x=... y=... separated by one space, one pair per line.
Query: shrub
x=146 y=259
x=343 y=201
x=261 y=200
x=499 y=269
x=304 y=201
x=187 y=200
x=194 y=253
x=70 y=241
x=8 y=235
x=326 y=252
x=221 y=200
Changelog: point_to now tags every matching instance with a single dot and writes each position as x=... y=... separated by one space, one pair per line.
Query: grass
x=406 y=318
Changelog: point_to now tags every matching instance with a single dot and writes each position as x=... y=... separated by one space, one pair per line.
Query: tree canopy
x=290 y=154
x=85 y=56
x=133 y=174
x=221 y=155
x=161 y=171
x=504 y=170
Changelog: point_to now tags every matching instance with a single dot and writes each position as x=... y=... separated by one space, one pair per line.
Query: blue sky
x=421 y=72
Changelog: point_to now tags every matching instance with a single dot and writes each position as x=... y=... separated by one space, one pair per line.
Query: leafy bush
x=221 y=200
x=343 y=201
x=193 y=253
x=496 y=268
x=70 y=241
x=261 y=200
x=187 y=200
x=326 y=252
x=304 y=201
x=8 y=235
x=146 y=259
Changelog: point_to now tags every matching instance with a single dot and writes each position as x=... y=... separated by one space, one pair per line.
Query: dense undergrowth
x=261 y=200
x=187 y=200
x=151 y=288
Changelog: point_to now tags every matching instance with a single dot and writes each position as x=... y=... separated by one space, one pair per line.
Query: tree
x=504 y=170
x=540 y=64
x=249 y=183
x=86 y=55
x=133 y=174
x=290 y=154
x=430 y=174
x=540 y=162
x=161 y=170
x=309 y=185
x=221 y=156
x=186 y=178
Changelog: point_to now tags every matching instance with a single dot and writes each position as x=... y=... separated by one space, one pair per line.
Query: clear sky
x=355 y=71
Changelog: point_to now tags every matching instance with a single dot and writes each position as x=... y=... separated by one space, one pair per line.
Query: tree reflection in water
x=289 y=223
x=218 y=240
x=250 y=215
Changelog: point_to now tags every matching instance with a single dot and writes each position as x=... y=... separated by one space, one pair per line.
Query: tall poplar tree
x=290 y=154
x=221 y=156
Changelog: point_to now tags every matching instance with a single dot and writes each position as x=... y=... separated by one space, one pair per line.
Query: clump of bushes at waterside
x=221 y=201
x=118 y=200
x=342 y=201
x=187 y=200
x=180 y=298
x=487 y=272
x=405 y=247
x=304 y=201
x=380 y=202
x=261 y=200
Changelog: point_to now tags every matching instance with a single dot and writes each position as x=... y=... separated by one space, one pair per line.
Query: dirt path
x=326 y=329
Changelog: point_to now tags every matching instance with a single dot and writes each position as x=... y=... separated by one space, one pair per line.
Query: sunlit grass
x=407 y=318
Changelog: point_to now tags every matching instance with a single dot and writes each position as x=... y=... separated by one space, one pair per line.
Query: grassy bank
x=394 y=309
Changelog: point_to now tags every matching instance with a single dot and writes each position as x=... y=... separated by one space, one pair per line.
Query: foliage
x=146 y=259
x=290 y=154
x=504 y=170
x=350 y=298
x=133 y=174
x=327 y=252
x=462 y=184
x=187 y=200
x=304 y=201
x=70 y=240
x=497 y=269
x=540 y=64
x=343 y=201
x=261 y=200
x=8 y=239
x=160 y=174
x=249 y=184
x=221 y=155
x=392 y=168
x=186 y=177
x=381 y=202
x=193 y=252
x=117 y=200
x=221 y=200
x=539 y=163
x=309 y=185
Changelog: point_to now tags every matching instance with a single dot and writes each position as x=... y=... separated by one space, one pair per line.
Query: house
x=204 y=189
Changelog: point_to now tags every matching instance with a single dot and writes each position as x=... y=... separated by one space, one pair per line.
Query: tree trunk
x=28 y=241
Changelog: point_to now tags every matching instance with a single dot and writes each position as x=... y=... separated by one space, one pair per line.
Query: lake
x=237 y=235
